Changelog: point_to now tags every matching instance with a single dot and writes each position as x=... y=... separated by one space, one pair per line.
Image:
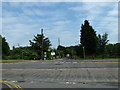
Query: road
x=62 y=73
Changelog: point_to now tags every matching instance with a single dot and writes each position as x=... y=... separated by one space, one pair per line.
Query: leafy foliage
x=0 y=47
x=61 y=51
x=113 y=50
x=88 y=38
x=93 y=44
x=40 y=43
x=102 y=41
x=5 y=47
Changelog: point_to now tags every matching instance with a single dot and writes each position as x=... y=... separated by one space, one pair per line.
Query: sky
x=22 y=20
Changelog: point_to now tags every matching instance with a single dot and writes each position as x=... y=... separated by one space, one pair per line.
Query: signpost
x=45 y=55
x=52 y=54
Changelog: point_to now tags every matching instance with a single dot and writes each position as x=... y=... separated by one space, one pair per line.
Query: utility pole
x=42 y=45
x=84 y=52
x=58 y=46
x=58 y=41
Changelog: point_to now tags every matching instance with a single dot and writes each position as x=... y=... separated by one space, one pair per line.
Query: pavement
x=62 y=73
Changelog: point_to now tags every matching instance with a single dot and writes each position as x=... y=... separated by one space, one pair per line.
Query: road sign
x=45 y=54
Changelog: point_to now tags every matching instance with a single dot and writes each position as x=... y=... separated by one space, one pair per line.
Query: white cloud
x=28 y=23
x=61 y=23
x=35 y=12
x=60 y=0
x=60 y=30
x=114 y=11
x=90 y=10
x=109 y=24
x=102 y=16
x=22 y=29
x=17 y=32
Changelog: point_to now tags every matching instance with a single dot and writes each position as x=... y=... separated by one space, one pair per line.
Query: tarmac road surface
x=62 y=73
x=6 y=85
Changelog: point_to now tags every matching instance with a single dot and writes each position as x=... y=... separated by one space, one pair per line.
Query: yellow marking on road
x=13 y=84
x=97 y=62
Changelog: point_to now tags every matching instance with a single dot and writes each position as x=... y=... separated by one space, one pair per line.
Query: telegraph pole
x=58 y=41
x=58 y=46
x=84 y=52
x=42 y=45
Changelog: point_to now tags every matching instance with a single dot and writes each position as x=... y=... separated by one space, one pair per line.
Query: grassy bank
x=21 y=60
x=14 y=61
x=96 y=58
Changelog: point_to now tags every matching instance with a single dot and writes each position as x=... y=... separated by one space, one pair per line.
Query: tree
x=0 y=47
x=61 y=51
x=5 y=47
x=40 y=44
x=88 y=38
x=102 y=41
x=117 y=50
x=79 y=50
x=24 y=53
x=110 y=49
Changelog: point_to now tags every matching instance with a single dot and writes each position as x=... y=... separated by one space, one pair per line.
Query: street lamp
x=84 y=52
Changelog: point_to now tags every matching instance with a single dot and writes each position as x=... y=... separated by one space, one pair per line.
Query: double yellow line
x=12 y=84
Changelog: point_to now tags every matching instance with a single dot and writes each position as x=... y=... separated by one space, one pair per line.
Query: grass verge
x=14 y=61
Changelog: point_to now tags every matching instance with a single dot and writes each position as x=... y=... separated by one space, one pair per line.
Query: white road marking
x=61 y=62
x=75 y=62
x=68 y=62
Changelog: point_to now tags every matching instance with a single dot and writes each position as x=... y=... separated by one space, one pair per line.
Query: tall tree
x=0 y=47
x=102 y=41
x=40 y=44
x=5 y=46
x=88 y=38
